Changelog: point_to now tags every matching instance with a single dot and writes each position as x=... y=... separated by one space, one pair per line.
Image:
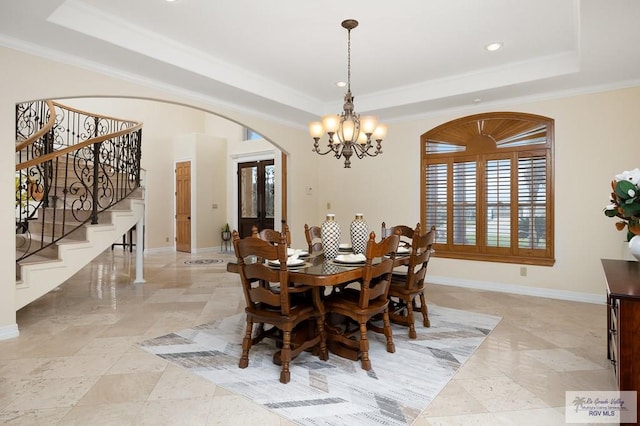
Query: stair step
x=41 y=273
x=76 y=236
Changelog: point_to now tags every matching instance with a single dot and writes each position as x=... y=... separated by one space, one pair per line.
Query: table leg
x=317 y=301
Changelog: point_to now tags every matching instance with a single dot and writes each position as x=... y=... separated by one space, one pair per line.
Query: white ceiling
x=281 y=58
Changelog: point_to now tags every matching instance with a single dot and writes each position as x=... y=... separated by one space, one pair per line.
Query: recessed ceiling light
x=492 y=47
x=341 y=83
x=477 y=100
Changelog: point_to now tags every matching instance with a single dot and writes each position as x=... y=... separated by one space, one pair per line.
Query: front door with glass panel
x=256 y=188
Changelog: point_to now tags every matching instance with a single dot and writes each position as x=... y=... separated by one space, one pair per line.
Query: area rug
x=335 y=392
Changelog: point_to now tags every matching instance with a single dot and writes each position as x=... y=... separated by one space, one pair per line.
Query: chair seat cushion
x=397 y=287
x=351 y=296
x=272 y=314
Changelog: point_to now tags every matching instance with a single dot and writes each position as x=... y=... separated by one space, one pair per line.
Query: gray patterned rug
x=336 y=392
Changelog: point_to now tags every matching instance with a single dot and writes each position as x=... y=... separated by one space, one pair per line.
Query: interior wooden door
x=183 y=206
x=256 y=190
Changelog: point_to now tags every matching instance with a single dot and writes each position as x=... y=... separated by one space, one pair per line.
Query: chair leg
x=246 y=344
x=391 y=347
x=425 y=311
x=285 y=357
x=365 y=362
x=412 y=327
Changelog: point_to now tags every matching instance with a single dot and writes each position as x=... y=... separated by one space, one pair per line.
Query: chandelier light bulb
x=330 y=123
x=348 y=130
x=362 y=138
x=368 y=124
x=316 y=130
x=380 y=133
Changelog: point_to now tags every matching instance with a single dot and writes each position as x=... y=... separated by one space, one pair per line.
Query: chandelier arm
x=330 y=147
x=378 y=146
x=360 y=150
x=365 y=150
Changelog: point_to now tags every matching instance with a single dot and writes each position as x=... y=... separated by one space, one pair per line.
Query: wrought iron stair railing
x=71 y=166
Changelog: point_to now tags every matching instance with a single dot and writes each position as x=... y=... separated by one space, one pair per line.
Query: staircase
x=78 y=190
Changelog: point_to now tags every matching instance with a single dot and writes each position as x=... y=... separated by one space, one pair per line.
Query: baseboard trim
x=193 y=251
x=9 y=332
x=160 y=249
x=207 y=250
x=573 y=296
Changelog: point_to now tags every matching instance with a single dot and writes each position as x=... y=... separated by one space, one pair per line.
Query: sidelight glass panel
x=269 y=190
x=249 y=191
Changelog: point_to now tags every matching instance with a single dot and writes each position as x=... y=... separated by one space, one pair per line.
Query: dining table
x=319 y=273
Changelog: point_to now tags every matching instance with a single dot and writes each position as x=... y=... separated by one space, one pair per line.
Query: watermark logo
x=601 y=407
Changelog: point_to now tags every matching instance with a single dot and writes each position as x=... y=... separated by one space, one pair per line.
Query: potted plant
x=225 y=232
x=625 y=202
x=625 y=206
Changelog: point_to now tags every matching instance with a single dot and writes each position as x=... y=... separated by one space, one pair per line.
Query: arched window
x=488 y=187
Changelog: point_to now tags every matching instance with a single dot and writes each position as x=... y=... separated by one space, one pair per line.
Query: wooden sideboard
x=623 y=321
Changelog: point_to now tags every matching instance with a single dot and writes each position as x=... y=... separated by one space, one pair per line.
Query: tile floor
x=76 y=361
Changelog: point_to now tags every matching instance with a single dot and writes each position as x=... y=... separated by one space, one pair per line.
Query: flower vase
x=359 y=231
x=330 y=235
x=634 y=246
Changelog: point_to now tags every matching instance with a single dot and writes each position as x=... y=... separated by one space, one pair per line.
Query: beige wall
x=161 y=123
x=207 y=155
x=596 y=137
x=27 y=77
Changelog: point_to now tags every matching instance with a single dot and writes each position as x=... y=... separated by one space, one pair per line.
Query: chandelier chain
x=349 y=60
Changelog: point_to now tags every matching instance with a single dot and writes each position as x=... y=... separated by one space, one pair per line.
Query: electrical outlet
x=523 y=271
x=166 y=239
x=328 y=206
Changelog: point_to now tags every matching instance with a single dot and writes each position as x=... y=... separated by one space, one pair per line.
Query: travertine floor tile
x=76 y=361
x=118 y=388
x=123 y=414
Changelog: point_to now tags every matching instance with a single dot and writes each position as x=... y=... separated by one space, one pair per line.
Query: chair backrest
x=421 y=249
x=272 y=235
x=376 y=277
x=405 y=232
x=314 y=238
x=260 y=281
x=406 y=236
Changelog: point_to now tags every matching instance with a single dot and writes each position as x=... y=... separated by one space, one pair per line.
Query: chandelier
x=348 y=133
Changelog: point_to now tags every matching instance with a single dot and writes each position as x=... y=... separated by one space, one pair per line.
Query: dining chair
x=314 y=238
x=407 y=284
x=405 y=232
x=369 y=300
x=299 y=323
x=271 y=235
